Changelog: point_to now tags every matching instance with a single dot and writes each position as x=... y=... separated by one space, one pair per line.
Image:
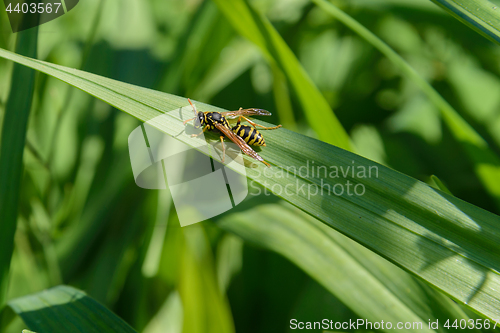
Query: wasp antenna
x=194 y=107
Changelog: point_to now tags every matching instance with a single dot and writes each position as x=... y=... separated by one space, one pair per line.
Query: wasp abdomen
x=249 y=134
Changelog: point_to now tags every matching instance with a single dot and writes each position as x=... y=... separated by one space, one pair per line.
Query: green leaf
x=482 y=16
x=260 y=31
x=66 y=309
x=11 y=151
x=447 y=242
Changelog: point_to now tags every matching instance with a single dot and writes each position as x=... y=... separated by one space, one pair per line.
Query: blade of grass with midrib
x=447 y=242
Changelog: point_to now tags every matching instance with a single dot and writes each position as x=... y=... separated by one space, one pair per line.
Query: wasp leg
x=195 y=135
x=223 y=148
x=186 y=121
x=255 y=125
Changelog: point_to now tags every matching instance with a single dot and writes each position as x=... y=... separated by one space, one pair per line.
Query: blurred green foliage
x=83 y=221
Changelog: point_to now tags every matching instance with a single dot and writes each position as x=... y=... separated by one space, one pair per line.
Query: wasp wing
x=245 y=148
x=245 y=112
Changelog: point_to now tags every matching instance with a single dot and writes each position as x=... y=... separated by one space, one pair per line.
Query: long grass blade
x=445 y=241
x=11 y=151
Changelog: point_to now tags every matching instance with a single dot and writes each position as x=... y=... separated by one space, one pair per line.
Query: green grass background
x=82 y=221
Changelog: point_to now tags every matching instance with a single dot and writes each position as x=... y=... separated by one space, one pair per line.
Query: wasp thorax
x=216 y=116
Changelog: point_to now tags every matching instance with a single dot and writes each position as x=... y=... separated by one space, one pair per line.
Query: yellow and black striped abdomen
x=249 y=134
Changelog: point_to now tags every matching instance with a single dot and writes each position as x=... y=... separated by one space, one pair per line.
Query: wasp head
x=199 y=117
x=199 y=121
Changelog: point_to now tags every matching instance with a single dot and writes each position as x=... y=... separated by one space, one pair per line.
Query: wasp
x=241 y=135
